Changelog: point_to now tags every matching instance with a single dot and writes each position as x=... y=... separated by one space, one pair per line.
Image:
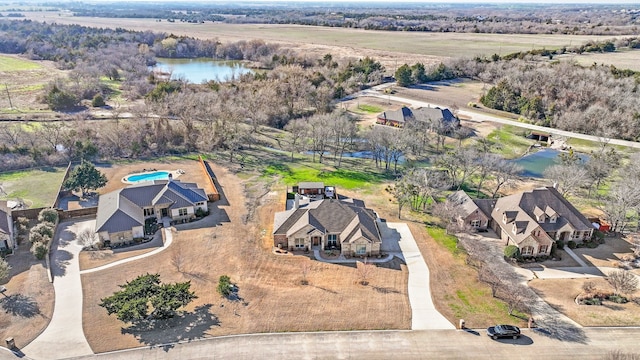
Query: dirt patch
x=27 y=305
x=561 y=294
x=272 y=298
x=608 y=254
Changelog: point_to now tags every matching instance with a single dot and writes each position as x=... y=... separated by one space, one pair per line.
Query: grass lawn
x=10 y=63
x=510 y=140
x=560 y=294
x=37 y=187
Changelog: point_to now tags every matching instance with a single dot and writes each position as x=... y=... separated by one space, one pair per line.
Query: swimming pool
x=148 y=176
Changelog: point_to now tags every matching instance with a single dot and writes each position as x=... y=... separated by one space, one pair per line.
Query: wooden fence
x=212 y=192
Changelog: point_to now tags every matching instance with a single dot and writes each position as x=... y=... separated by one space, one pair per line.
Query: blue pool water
x=156 y=175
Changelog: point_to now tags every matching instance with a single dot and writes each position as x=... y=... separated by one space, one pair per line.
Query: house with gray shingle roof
x=471 y=213
x=439 y=119
x=6 y=227
x=122 y=213
x=533 y=220
x=328 y=224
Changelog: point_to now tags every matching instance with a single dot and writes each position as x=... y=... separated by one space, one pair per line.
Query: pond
x=201 y=70
x=536 y=163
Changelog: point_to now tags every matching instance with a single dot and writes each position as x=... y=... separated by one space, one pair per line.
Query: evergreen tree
x=85 y=177
x=403 y=75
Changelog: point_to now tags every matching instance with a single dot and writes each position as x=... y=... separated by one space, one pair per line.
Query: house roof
x=5 y=224
x=329 y=216
x=122 y=209
x=523 y=208
x=465 y=206
x=420 y=114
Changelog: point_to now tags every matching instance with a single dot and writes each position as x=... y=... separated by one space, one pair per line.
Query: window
x=527 y=250
x=553 y=219
x=149 y=212
x=361 y=249
x=299 y=243
x=543 y=249
x=576 y=235
x=182 y=212
x=475 y=223
x=332 y=240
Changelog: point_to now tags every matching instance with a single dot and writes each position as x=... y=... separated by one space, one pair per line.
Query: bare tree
x=364 y=271
x=517 y=298
x=295 y=134
x=504 y=173
x=460 y=165
x=88 y=239
x=318 y=133
x=568 y=178
x=305 y=269
x=4 y=269
x=621 y=203
x=178 y=258
x=623 y=282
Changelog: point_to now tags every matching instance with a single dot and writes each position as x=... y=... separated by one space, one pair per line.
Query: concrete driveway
x=423 y=313
x=64 y=336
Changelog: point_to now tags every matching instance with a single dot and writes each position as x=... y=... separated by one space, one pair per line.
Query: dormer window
x=553 y=219
x=541 y=218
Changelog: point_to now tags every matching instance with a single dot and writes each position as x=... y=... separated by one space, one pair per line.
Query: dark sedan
x=503 y=331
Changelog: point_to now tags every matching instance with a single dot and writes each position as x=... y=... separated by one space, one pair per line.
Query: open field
x=25 y=79
x=272 y=298
x=27 y=305
x=36 y=187
x=388 y=46
x=560 y=294
x=625 y=59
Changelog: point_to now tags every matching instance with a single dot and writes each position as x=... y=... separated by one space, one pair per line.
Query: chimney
x=170 y=177
x=296 y=201
x=555 y=185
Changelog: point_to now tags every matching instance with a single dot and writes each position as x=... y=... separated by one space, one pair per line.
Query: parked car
x=503 y=331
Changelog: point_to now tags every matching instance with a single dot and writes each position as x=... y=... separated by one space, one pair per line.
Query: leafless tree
x=4 y=269
x=623 y=282
x=318 y=132
x=504 y=172
x=460 y=164
x=88 y=239
x=619 y=355
x=296 y=130
x=568 y=178
x=343 y=131
x=621 y=203
x=364 y=271
x=305 y=269
x=178 y=257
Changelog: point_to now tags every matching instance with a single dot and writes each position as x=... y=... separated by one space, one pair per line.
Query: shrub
x=201 y=213
x=23 y=221
x=572 y=244
x=44 y=229
x=48 y=215
x=97 y=101
x=224 y=285
x=593 y=301
x=618 y=299
x=39 y=250
x=511 y=252
x=560 y=244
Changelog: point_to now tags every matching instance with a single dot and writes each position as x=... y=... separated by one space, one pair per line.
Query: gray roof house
x=400 y=117
x=122 y=213
x=6 y=227
x=532 y=220
x=329 y=224
x=471 y=213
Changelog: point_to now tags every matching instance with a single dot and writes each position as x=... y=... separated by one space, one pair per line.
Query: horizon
x=334 y=2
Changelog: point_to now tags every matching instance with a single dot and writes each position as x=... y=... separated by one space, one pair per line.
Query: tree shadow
x=385 y=290
x=61 y=260
x=20 y=305
x=327 y=290
x=560 y=330
x=188 y=327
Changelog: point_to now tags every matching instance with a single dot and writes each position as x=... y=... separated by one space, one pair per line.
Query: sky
x=609 y=2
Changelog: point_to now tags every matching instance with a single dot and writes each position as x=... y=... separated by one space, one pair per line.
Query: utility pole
x=6 y=87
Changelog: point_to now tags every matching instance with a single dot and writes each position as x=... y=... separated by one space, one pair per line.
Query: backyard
x=36 y=187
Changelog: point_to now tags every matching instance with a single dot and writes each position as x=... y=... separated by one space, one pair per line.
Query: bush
x=511 y=252
x=618 y=299
x=97 y=101
x=224 y=285
x=39 y=250
x=593 y=301
x=560 y=244
x=201 y=213
x=48 y=215
x=572 y=244
x=44 y=229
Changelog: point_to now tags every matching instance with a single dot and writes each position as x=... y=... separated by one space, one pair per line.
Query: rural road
x=481 y=117
x=593 y=343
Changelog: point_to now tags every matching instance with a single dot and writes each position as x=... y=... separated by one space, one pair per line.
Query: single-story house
x=400 y=117
x=6 y=227
x=532 y=220
x=329 y=224
x=475 y=214
x=122 y=213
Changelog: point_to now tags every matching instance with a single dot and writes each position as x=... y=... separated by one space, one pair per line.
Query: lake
x=201 y=70
x=536 y=163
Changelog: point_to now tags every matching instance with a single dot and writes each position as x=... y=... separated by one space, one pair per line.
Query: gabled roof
x=122 y=209
x=399 y=115
x=329 y=216
x=420 y=114
x=311 y=185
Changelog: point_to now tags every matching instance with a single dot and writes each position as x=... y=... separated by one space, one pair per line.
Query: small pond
x=201 y=70
x=536 y=163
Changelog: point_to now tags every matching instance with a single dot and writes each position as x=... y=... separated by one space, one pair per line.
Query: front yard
x=273 y=298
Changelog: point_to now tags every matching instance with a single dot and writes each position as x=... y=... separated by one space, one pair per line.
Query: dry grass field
x=560 y=294
x=390 y=47
x=273 y=298
x=27 y=305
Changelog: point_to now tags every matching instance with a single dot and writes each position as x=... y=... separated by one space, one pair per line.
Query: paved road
x=423 y=313
x=480 y=117
x=592 y=343
x=64 y=336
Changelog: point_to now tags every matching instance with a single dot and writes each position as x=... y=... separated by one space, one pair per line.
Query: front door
x=164 y=212
x=316 y=240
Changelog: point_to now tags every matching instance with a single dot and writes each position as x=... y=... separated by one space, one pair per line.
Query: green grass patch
x=37 y=187
x=479 y=301
x=9 y=63
x=512 y=143
x=440 y=235
x=371 y=109
x=348 y=179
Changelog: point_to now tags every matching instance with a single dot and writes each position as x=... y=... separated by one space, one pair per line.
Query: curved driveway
x=64 y=336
